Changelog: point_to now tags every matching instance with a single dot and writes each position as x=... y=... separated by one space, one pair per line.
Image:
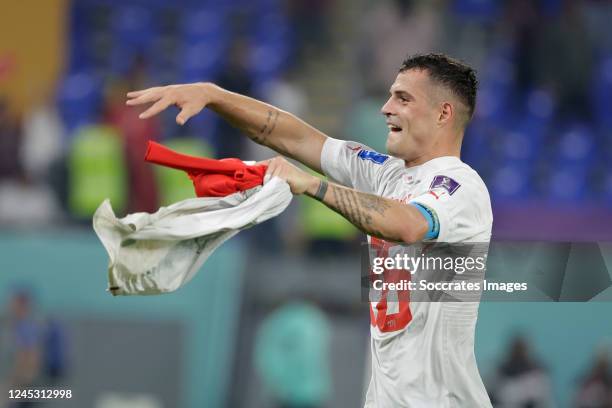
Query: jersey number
x=399 y=303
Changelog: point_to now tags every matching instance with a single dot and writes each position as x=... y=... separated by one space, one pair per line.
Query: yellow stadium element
x=319 y=222
x=96 y=170
x=32 y=48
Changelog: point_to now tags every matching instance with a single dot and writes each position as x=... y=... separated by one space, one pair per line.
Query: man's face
x=411 y=114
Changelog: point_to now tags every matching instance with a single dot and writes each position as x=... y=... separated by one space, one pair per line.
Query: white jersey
x=160 y=252
x=422 y=352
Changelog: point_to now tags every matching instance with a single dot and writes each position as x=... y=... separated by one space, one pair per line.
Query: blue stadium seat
x=82 y=51
x=607 y=186
x=133 y=33
x=203 y=24
x=602 y=93
x=511 y=181
x=477 y=10
x=577 y=145
x=568 y=183
x=202 y=61
x=495 y=101
x=271 y=47
x=79 y=98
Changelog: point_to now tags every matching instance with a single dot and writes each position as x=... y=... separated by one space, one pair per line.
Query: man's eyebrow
x=400 y=92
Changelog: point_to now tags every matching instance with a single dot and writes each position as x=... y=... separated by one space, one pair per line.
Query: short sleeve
x=461 y=205
x=354 y=165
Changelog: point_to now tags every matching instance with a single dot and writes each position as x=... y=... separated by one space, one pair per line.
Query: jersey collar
x=436 y=163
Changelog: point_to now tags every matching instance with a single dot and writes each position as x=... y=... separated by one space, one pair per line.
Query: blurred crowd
x=291 y=357
x=63 y=156
x=33 y=347
x=543 y=124
x=542 y=132
x=521 y=381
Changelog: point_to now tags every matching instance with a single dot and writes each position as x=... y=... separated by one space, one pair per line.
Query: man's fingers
x=156 y=108
x=144 y=98
x=273 y=166
x=186 y=113
x=135 y=94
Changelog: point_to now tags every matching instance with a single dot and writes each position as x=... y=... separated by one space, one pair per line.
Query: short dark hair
x=458 y=77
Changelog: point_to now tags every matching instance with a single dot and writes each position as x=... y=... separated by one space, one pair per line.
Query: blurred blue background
x=275 y=317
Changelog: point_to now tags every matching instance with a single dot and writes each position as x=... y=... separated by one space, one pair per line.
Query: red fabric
x=211 y=178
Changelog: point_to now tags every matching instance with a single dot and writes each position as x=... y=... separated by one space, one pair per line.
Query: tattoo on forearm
x=268 y=127
x=260 y=137
x=358 y=207
x=374 y=203
x=347 y=207
x=273 y=124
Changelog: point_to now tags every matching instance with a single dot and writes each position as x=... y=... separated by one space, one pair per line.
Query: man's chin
x=391 y=145
x=394 y=149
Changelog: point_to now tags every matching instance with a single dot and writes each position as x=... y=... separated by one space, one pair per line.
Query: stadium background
x=275 y=318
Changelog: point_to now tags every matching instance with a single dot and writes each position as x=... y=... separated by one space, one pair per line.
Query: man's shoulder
x=454 y=173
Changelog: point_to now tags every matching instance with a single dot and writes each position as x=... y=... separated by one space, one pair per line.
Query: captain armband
x=433 y=229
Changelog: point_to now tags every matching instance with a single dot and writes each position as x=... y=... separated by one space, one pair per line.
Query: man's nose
x=386 y=109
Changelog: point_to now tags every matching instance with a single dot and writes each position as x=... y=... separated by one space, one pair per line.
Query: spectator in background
x=285 y=93
x=55 y=356
x=469 y=29
x=404 y=27
x=142 y=192
x=20 y=347
x=598 y=15
x=365 y=124
x=235 y=77
x=24 y=198
x=565 y=60
x=311 y=21
x=522 y=23
x=595 y=389
x=10 y=143
x=42 y=140
x=292 y=355
x=520 y=381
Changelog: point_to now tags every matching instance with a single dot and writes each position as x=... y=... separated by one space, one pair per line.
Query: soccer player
x=422 y=352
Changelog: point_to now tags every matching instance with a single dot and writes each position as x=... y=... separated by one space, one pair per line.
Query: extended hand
x=189 y=98
x=299 y=181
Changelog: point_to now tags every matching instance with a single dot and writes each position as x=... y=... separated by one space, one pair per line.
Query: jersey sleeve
x=355 y=165
x=460 y=203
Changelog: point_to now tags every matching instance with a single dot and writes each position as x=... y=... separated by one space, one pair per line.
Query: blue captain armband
x=432 y=220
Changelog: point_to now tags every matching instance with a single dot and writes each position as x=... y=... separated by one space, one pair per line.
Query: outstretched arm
x=263 y=123
x=377 y=216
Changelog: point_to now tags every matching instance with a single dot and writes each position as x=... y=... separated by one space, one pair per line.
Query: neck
x=438 y=150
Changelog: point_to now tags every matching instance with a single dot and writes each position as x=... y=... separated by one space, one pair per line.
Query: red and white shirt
x=422 y=352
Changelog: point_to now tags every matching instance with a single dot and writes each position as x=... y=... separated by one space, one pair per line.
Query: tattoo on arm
x=359 y=207
x=274 y=120
x=268 y=127
x=374 y=203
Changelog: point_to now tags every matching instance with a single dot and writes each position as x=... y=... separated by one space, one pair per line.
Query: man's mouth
x=394 y=128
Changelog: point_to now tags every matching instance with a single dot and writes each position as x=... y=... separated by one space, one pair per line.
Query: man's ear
x=446 y=113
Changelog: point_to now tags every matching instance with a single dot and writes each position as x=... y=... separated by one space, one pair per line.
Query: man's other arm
x=377 y=216
x=263 y=123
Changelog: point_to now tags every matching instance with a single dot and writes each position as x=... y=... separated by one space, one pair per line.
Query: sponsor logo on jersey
x=374 y=157
x=446 y=183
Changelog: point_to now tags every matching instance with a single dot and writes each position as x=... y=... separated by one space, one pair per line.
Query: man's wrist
x=211 y=92
x=318 y=189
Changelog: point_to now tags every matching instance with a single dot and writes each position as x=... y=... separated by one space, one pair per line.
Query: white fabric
x=430 y=362
x=157 y=253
